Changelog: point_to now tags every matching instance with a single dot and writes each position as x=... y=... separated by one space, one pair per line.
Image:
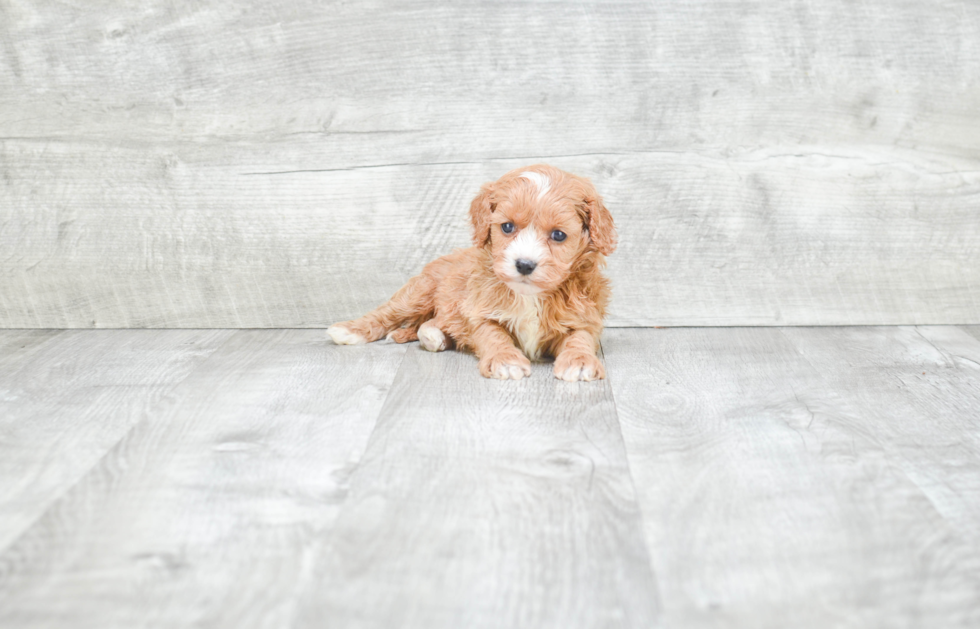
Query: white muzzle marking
x=526 y=246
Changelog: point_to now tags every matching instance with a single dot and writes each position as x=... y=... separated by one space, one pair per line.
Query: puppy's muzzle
x=525 y=267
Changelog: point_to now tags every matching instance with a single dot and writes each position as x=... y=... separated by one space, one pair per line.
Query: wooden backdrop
x=194 y=164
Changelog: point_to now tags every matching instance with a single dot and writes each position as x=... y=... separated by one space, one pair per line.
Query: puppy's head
x=538 y=222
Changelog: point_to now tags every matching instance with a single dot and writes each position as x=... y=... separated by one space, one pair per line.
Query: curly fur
x=480 y=302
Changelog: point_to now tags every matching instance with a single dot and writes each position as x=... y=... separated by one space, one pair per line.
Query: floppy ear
x=602 y=230
x=480 y=211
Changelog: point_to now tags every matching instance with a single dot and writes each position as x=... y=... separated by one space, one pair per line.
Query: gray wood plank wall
x=194 y=164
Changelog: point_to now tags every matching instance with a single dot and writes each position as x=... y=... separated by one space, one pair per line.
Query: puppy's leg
x=404 y=335
x=575 y=358
x=499 y=357
x=432 y=338
x=412 y=303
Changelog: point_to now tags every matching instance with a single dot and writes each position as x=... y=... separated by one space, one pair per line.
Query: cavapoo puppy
x=531 y=286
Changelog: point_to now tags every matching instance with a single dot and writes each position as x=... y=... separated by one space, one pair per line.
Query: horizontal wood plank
x=410 y=82
x=190 y=236
x=184 y=165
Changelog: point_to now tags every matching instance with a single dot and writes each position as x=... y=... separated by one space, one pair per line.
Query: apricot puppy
x=531 y=286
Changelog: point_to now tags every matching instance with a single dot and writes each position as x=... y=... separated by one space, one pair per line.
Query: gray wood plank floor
x=806 y=477
x=66 y=398
x=473 y=495
x=725 y=477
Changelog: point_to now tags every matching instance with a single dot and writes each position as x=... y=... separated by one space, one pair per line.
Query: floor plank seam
x=629 y=473
x=55 y=501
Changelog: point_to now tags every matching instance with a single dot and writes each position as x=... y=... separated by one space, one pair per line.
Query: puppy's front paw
x=511 y=365
x=342 y=336
x=578 y=366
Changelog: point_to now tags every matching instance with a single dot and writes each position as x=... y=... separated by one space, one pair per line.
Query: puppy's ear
x=480 y=210
x=602 y=230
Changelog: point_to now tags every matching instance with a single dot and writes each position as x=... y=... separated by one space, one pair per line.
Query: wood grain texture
x=486 y=504
x=206 y=514
x=181 y=164
x=757 y=238
x=972 y=330
x=806 y=477
x=721 y=477
x=17 y=345
x=923 y=409
x=496 y=78
x=66 y=398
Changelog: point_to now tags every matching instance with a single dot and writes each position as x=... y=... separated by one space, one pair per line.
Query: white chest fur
x=523 y=320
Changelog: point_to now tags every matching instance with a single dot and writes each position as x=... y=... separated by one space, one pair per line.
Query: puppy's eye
x=507 y=228
x=558 y=235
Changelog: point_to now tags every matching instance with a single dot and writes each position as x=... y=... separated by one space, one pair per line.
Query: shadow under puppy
x=531 y=286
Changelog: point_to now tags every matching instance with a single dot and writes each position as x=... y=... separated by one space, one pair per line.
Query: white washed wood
x=205 y=514
x=761 y=237
x=972 y=330
x=17 y=345
x=768 y=164
x=923 y=407
x=409 y=81
x=482 y=503
x=66 y=398
x=804 y=477
x=788 y=477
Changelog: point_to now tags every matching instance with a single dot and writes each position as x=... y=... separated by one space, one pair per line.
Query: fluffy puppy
x=531 y=286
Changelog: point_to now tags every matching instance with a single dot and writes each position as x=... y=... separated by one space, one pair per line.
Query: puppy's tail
x=401 y=316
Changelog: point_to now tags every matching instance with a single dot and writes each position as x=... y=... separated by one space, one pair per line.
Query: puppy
x=531 y=286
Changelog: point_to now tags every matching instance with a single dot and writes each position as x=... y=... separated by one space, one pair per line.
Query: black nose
x=525 y=267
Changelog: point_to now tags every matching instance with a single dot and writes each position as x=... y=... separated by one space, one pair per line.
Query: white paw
x=342 y=336
x=579 y=368
x=431 y=338
x=511 y=365
x=508 y=371
x=576 y=373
